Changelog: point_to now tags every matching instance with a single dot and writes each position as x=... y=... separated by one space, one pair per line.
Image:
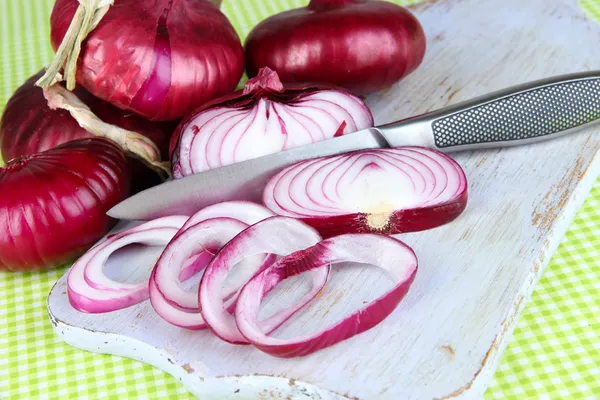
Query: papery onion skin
x=384 y=251
x=53 y=204
x=157 y=58
x=339 y=220
x=373 y=45
x=263 y=118
x=30 y=126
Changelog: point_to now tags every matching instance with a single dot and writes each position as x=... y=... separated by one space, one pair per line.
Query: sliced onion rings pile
x=389 y=191
x=231 y=312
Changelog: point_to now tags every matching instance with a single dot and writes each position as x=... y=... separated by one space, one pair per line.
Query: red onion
x=262 y=119
x=383 y=190
x=157 y=58
x=244 y=211
x=54 y=203
x=190 y=251
x=30 y=126
x=91 y=291
x=383 y=251
x=275 y=235
x=361 y=45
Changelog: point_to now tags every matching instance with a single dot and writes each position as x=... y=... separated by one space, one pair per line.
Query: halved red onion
x=390 y=191
x=203 y=234
x=90 y=290
x=275 y=235
x=383 y=251
x=262 y=119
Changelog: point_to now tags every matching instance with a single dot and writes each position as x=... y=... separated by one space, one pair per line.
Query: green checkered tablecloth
x=554 y=352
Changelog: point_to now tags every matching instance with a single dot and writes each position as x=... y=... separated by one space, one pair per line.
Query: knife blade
x=523 y=114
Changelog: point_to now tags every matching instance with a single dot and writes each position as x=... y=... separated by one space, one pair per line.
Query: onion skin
x=53 y=204
x=361 y=45
x=30 y=126
x=263 y=118
x=401 y=221
x=157 y=58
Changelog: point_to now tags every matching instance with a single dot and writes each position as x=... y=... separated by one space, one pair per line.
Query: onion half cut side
x=188 y=253
x=275 y=235
x=383 y=251
x=403 y=189
x=91 y=291
x=264 y=118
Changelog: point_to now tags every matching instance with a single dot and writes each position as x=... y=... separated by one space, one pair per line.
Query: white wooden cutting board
x=475 y=274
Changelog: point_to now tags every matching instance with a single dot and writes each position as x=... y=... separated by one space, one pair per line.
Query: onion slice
x=188 y=253
x=404 y=189
x=90 y=290
x=383 y=251
x=275 y=235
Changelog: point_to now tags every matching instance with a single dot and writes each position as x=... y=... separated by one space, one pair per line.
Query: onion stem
x=86 y=18
x=131 y=142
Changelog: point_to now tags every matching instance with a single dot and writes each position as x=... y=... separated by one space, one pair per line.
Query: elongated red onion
x=30 y=126
x=157 y=58
x=262 y=119
x=88 y=287
x=361 y=45
x=275 y=235
x=390 y=191
x=53 y=204
x=203 y=234
x=383 y=251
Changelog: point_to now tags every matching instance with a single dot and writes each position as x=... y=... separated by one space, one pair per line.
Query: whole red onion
x=361 y=45
x=30 y=126
x=54 y=203
x=157 y=58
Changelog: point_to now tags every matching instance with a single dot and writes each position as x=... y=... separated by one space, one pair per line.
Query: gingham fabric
x=554 y=352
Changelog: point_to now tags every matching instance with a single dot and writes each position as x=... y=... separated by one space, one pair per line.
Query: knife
x=523 y=114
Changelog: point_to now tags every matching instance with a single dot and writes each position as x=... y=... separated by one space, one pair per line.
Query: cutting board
x=475 y=274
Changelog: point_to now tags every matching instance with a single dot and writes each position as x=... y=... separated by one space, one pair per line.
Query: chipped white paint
x=476 y=274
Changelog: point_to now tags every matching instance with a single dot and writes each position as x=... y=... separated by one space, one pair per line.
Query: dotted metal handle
x=525 y=115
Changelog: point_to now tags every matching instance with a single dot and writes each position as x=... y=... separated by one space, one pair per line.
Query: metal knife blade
x=240 y=181
x=523 y=114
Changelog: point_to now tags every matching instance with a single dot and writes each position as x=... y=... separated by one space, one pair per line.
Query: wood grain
x=475 y=274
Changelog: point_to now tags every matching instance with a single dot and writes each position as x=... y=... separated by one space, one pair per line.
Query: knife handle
x=527 y=113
